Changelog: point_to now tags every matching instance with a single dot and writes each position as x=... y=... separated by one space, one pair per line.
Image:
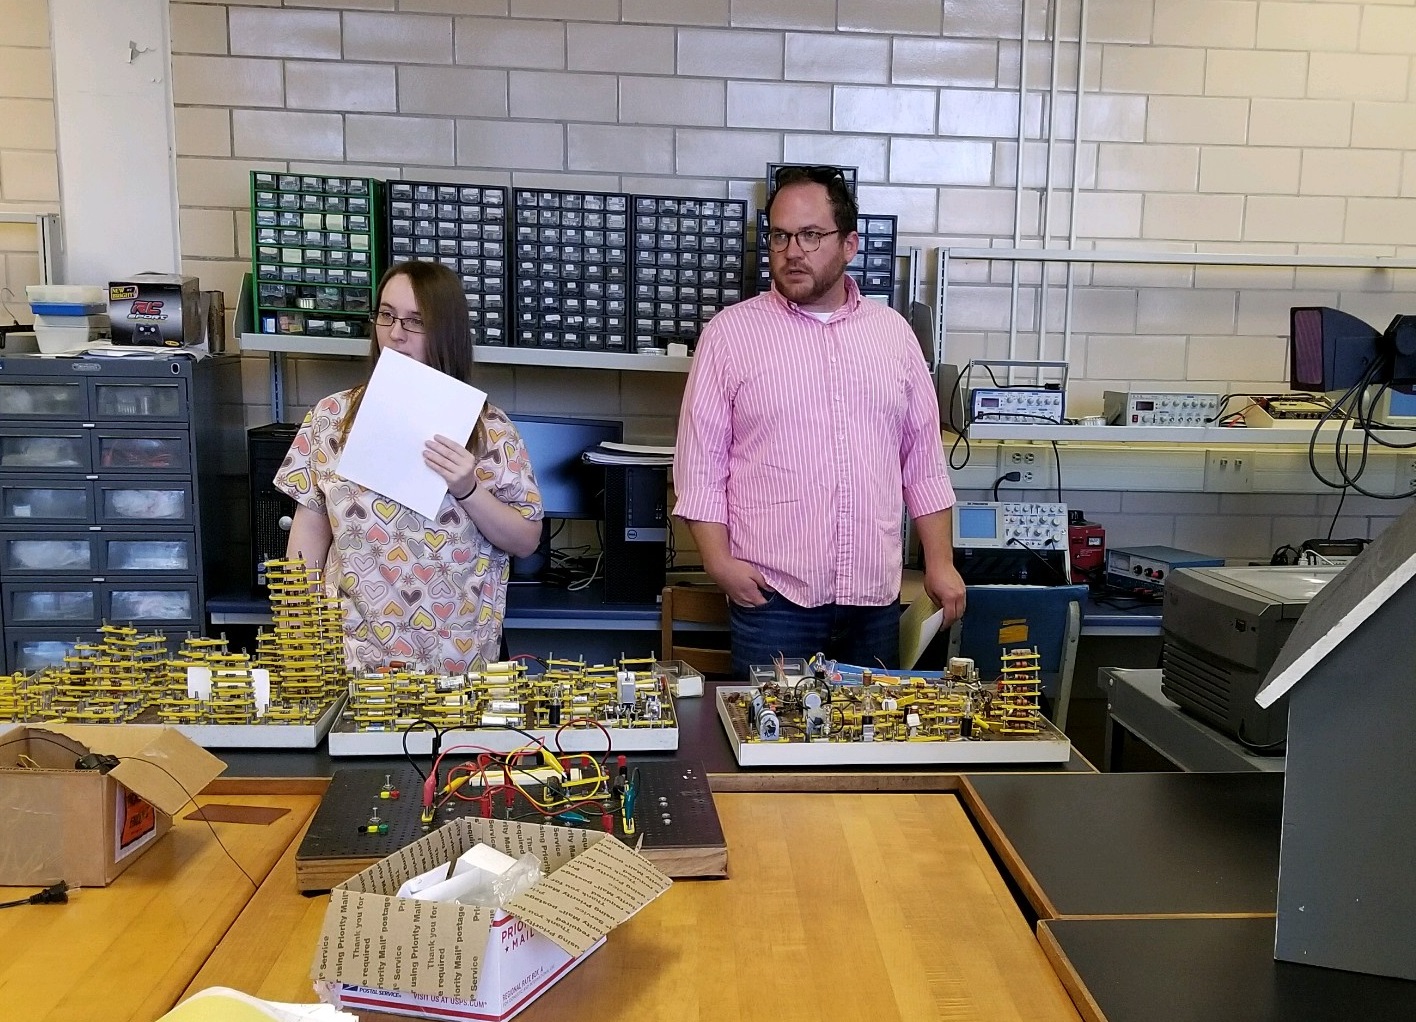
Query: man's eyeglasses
x=411 y=324
x=809 y=240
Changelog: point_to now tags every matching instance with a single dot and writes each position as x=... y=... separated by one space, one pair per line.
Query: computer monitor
x=1329 y=349
x=569 y=487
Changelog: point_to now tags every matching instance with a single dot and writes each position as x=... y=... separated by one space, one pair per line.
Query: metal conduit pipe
x=1018 y=189
x=1076 y=169
x=1046 y=211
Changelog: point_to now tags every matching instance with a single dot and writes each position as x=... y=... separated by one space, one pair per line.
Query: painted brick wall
x=29 y=178
x=1212 y=125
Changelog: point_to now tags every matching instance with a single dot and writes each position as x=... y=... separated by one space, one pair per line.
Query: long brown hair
x=447 y=335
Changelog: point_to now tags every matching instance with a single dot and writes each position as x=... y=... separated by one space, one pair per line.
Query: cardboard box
x=155 y=310
x=85 y=827
x=445 y=960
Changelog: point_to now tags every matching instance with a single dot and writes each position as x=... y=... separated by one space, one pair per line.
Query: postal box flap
x=158 y=763
x=590 y=895
x=554 y=846
x=422 y=947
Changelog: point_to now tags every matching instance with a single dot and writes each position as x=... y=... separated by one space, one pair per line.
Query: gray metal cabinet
x=116 y=496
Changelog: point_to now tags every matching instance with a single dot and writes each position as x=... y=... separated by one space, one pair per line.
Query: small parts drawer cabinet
x=104 y=467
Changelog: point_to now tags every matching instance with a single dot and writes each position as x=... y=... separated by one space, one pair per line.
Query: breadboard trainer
x=570 y=704
x=800 y=715
x=675 y=822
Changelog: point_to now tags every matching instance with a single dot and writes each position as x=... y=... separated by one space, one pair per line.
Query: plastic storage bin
x=56 y=334
x=67 y=299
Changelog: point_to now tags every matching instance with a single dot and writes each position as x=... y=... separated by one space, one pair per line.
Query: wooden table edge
x=997 y=840
x=1081 y=997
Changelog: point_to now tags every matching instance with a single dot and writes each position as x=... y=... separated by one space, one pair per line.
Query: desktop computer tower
x=271 y=510
x=636 y=532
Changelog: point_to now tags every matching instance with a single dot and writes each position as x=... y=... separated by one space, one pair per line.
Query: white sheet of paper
x=404 y=404
x=918 y=626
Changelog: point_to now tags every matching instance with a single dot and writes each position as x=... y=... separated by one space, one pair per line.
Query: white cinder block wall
x=1206 y=125
x=29 y=176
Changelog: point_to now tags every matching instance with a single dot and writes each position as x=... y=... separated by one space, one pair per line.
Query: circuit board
x=792 y=748
x=578 y=707
x=676 y=823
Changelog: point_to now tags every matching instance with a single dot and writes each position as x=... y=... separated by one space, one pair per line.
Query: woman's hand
x=454 y=462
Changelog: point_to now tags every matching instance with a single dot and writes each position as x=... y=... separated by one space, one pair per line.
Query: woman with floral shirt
x=426 y=592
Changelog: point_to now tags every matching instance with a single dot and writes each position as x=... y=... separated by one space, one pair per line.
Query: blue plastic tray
x=67 y=309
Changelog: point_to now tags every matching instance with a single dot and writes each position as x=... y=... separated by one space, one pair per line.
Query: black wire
x=437 y=744
x=1057 y=458
x=1333 y=524
x=1013 y=416
x=1355 y=408
x=1014 y=541
x=968 y=452
x=1009 y=477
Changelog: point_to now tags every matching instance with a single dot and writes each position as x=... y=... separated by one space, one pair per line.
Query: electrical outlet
x=1229 y=471
x=1410 y=475
x=1034 y=470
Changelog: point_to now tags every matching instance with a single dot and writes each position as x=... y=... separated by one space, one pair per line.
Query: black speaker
x=271 y=510
x=636 y=532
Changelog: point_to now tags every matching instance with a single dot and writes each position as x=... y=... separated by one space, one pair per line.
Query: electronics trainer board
x=676 y=824
x=799 y=716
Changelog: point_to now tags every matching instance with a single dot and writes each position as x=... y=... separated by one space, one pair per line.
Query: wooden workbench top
x=125 y=952
x=847 y=906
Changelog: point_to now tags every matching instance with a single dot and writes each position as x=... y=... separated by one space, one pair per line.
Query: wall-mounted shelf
x=1298 y=433
x=634 y=361
x=302 y=344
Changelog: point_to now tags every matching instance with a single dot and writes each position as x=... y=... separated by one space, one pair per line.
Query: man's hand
x=742 y=582
x=944 y=585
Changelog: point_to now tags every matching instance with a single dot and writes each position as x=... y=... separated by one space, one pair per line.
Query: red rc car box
x=156 y=310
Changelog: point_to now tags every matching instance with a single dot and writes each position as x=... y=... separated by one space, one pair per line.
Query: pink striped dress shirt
x=802 y=437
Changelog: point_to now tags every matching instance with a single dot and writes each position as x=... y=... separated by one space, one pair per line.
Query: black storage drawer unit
x=64 y=554
x=113 y=502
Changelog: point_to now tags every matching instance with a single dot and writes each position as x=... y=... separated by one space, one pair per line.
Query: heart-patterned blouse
x=428 y=593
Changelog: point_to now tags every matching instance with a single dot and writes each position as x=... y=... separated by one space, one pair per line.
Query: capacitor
x=769 y=728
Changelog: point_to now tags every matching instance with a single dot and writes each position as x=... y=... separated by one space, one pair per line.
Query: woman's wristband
x=465 y=495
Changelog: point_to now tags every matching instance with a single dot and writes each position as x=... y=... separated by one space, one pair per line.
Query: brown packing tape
x=420 y=947
x=38 y=842
x=590 y=895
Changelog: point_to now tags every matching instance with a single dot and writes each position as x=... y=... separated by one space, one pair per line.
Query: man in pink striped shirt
x=808 y=416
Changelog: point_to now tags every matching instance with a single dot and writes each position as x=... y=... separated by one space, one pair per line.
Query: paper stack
x=610 y=453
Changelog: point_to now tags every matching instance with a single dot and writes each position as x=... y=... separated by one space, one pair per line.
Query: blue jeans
x=866 y=636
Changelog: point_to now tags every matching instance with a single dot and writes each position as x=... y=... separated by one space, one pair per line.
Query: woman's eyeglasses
x=411 y=324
